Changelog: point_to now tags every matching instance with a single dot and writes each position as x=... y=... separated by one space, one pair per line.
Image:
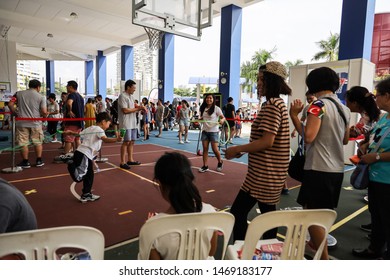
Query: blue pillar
x=89 y=78
x=101 y=74
x=50 y=86
x=127 y=63
x=230 y=50
x=166 y=68
x=357 y=26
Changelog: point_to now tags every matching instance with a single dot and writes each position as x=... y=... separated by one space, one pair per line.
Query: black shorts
x=320 y=189
x=232 y=124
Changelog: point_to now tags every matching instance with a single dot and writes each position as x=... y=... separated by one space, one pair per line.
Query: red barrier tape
x=239 y=120
x=54 y=119
x=5 y=113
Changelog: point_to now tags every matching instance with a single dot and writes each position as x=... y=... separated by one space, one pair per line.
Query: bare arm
x=261 y=144
x=154 y=255
x=213 y=243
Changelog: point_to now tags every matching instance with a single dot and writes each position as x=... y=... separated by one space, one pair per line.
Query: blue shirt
x=379 y=171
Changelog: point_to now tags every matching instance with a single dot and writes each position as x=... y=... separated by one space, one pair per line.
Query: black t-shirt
x=77 y=109
x=229 y=109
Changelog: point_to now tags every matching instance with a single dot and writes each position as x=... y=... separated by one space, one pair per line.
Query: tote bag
x=359 y=178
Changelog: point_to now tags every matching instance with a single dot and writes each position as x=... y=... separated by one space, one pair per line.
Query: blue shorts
x=130 y=135
x=210 y=136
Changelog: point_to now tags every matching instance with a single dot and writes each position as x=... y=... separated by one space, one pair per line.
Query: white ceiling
x=101 y=25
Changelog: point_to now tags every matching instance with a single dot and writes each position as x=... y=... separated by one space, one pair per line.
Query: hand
x=296 y=107
x=293 y=134
x=232 y=153
x=119 y=138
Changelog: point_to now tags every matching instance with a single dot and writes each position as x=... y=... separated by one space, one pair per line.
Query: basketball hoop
x=155 y=38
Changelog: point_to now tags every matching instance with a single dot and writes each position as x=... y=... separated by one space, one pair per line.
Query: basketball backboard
x=185 y=18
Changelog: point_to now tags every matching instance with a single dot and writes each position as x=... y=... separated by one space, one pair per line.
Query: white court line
x=73 y=191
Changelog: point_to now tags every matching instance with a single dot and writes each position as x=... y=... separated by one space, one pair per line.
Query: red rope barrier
x=54 y=119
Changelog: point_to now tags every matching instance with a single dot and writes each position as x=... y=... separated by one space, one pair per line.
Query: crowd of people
x=325 y=125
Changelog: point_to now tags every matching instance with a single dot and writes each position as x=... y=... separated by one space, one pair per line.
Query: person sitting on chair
x=174 y=178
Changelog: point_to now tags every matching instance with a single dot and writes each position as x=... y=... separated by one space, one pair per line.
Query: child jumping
x=81 y=168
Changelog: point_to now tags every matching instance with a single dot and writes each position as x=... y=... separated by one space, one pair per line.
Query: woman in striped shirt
x=269 y=150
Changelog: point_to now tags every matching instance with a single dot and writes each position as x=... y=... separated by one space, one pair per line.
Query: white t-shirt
x=211 y=122
x=168 y=245
x=126 y=121
x=91 y=141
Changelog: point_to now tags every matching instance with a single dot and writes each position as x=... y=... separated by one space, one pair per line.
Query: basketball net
x=155 y=38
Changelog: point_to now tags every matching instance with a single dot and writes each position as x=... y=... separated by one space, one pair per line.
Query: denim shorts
x=210 y=136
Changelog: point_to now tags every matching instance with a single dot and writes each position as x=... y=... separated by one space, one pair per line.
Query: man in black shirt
x=229 y=113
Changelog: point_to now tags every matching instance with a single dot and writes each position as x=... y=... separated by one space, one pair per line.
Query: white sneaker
x=89 y=197
x=181 y=142
x=187 y=141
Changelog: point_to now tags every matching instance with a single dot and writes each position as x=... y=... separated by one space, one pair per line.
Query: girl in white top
x=184 y=122
x=213 y=117
x=175 y=180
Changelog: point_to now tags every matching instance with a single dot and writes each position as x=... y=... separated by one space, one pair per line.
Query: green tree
x=182 y=91
x=249 y=69
x=329 y=48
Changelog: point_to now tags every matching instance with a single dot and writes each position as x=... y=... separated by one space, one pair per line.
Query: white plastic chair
x=42 y=244
x=296 y=223
x=190 y=228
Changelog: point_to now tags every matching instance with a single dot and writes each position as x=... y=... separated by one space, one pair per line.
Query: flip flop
x=133 y=163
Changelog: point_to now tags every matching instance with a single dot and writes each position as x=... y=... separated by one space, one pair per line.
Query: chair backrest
x=296 y=223
x=190 y=228
x=42 y=244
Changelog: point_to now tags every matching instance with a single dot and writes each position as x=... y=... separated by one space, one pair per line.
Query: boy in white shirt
x=81 y=168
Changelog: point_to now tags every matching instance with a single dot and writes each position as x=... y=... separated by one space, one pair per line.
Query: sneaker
x=89 y=197
x=187 y=141
x=39 y=163
x=365 y=198
x=219 y=166
x=181 y=142
x=203 y=169
x=125 y=166
x=366 y=227
x=24 y=164
x=66 y=157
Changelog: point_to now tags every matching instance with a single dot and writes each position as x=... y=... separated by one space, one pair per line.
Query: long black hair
x=365 y=100
x=173 y=171
x=274 y=85
x=210 y=111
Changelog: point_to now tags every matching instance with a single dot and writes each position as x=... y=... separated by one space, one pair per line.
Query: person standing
x=268 y=149
x=213 y=117
x=184 y=122
x=127 y=120
x=74 y=109
x=325 y=131
x=53 y=110
x=90 y=113
x=31 y=104
x=230 y=115
x=379 y=179
x=159 y=117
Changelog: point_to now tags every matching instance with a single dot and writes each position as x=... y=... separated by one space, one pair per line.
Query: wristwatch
x=378 y=156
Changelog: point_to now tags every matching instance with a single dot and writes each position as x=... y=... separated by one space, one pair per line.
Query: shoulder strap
x=381 y=139
x=338 y=109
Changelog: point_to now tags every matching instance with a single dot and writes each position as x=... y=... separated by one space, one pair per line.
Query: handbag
x=360 y=176
x=297 y=162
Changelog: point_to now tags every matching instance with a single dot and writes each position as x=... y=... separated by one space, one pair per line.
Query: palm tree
x=249 y=69
x=329 y=48
x=289 y=63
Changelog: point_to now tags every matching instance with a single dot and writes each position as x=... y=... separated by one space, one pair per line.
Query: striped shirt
x=267 y=170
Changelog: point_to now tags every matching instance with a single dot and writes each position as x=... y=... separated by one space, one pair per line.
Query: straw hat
x=276 y=68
